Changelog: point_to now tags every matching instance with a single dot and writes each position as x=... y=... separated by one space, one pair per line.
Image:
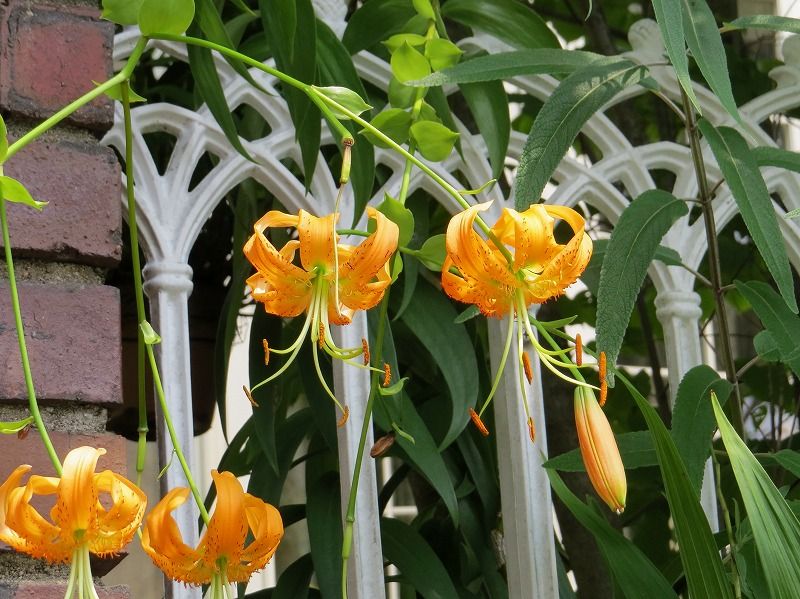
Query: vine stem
x=350 y=517
x=33 y=404
x=734 y=407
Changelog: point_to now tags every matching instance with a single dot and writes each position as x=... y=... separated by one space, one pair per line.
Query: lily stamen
x=578 y=350
x=476 y=420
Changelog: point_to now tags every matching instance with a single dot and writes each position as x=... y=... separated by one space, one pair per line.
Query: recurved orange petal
x=266 y=526
x=530 y=233
x=316 y=240
x=227 y=529
x=7 y=534
x=372 y=254
x=116 y=525
x=76 y=501
x=42 y=538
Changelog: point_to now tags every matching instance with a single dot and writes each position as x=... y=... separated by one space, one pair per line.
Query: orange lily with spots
x=79 y=523
x=331 y=282
x=223 y=556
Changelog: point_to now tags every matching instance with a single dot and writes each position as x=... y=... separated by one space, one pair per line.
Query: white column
x=524 y=486
x=678 y=313
x=351 y=385
x=168 y=286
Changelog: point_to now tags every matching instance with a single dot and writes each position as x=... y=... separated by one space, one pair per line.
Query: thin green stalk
x=70 y=108
x=733 y=407
x=198 y=499
x=33 y=404
x=350 y=518
x=142 y=428
x=726 y=518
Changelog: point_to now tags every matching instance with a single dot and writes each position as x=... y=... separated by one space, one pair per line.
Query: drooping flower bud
x=599 y=450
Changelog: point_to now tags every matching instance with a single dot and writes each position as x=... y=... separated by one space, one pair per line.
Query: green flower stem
x=59 y=116
x=350 y=518
x=142 y=428
x=343 y=131
x=23 y=348
x=198 y=499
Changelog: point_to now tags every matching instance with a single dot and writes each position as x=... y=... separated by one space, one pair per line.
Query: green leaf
x=591 y=274
x=563 y=115
x=324 y=520
x=3 y=140
x=208 y=85
x=149 y=334
x=769 y=156
x=295 y=580
x=430 y=317
x=488 y=104
x=632 y=571
x=788 y=459
x=771 y=22
x=292 y=31
x=774 y=314
x=165 y=16
x=442 y=53
x=393 y=123
x=693 y=419
x=629 y=252
x=399 y=215
x=669 y=16
x=699 y=555
x=469 y=313
x=766 y=347
x=507 y=20
x=345 y=97
x=375 y=22
x=400 y=95
x=752 y=197
x=394 y=388
x=412 y=39
x=775 y=528
x=636 y=449
x=15 y=426
x=703 y=39
x=418 y=563
x=505 y=65
x=433 y=252
x=115 y=93
x=336 y=67
x=434 y=140
x=13 y=191
x=424 y=8
x=122 y=12
x=408 y=63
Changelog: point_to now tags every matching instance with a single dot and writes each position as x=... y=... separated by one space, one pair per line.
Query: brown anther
x=321 y=335
x=23 y=432
x=387 y=374
x=526 y=366
x=382 y=445
x=249 y=396
x=345 y=416
x=365 y=351
x=476 y=420
x=578 y=350
x=266 y=352
x=531 y=429
x=601 y=366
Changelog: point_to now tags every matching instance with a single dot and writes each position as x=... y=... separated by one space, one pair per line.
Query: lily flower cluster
x=99 y=512
x=332 y=281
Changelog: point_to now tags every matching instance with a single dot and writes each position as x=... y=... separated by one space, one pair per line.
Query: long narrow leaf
x=752 y=197
x=771 y=22
x=632 y=571
x=702 y=565
x=775 y=528
x=629 y=252
x=670 y=21
x=563 y=115
x=488 y=104
x=769 y=156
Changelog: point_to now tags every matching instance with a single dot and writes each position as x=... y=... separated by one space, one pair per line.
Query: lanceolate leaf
x=771 y=22
x=563 y=115
x=768 y=156
x=775 y=528
x=504 y=65
x=670 y=21
x=702 y=565
x=418 y=564
x=783 y=326
x=591 y=275
x=374 y=22
x=489 y=106
x=752 y=197
x=324 y=520
x=430 y=317
x=510 y=21
x=207 y=83
x=693 y=419
x=632 y=571
x=629 y=252
x=705 y=42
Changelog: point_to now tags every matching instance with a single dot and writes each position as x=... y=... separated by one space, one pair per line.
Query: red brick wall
x=49 y=54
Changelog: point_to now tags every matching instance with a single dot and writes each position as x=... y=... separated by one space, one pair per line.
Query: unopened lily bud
x=599 y=450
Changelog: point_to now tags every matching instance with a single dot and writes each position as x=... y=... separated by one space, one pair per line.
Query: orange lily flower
x=477 y=271
x=221 y=557
x=79 y=522
x=332 y=281
x=599 y=450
